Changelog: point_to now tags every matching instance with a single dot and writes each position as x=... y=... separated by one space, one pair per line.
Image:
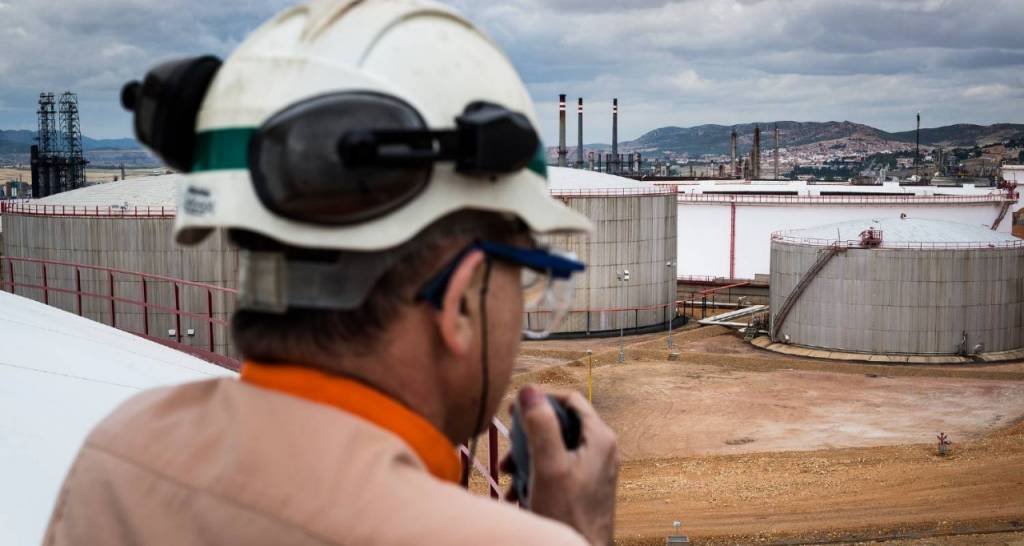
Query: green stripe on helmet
x=222 y=149
x=539 y=163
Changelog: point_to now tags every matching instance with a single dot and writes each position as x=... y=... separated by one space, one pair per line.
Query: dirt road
x=745 y=446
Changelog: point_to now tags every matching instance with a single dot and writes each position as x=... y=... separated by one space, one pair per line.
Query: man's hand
x=575 y=487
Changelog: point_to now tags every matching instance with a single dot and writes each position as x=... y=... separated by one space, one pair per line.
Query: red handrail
x=783 y=237
x=108 y=211
x=612 y=192
x=115 y=270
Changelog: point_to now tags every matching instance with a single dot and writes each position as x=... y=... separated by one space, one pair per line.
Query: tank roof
x=160 y=191
x=151 y=191
x=64 y=374
x=564 y=178
x=902 y=230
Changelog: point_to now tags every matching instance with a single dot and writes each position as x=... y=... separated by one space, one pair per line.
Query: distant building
x=1014 y=173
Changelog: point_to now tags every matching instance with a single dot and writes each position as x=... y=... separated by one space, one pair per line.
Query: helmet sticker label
x=197 y=201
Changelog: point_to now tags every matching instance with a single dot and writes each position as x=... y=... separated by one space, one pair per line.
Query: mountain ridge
x=19 y=140
x=715 y=139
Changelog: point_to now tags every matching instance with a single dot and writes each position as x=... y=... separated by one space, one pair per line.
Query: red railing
x=489 y=472
x=143 y=301
x=689 y=198
x=114 y=211
x=8 y=281
x=782 y=237
x=704 y=279
x=612 y=192
x=597 y=319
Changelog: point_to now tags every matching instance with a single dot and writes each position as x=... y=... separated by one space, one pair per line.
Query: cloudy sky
x=670 y=63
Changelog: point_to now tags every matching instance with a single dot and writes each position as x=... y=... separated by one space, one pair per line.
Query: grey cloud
x=681 y=63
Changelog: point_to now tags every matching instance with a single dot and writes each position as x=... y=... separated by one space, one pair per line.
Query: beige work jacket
x=223 y=462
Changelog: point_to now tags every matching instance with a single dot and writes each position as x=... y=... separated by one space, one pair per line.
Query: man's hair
x=320 y=335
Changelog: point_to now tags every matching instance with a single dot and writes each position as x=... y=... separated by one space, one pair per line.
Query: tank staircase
x=1002 y=214
x=802 y=284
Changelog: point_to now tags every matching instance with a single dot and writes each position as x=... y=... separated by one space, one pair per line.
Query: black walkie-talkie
x=569 y=423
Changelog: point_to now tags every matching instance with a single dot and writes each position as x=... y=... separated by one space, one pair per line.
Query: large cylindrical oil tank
x=128 y=225
x=898 y=286
x=634 y=230
x=125 y=225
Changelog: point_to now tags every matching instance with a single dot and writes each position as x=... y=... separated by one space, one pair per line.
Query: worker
x=376 y=164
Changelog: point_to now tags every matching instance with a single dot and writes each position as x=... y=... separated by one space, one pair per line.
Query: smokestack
x=917 y=146
x=590 y=161
x=579 y=134
x=776 y=155
x=732 y=165
x=561 y=131
x=755 y=154
x=615 y=129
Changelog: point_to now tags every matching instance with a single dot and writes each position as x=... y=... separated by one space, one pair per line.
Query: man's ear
x=456 y=319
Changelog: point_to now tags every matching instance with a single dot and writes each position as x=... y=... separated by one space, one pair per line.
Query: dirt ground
x=746 y=446
x=92 y=175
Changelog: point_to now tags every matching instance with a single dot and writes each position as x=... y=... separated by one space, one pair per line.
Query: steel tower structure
x=58 y=162
x=71 y=130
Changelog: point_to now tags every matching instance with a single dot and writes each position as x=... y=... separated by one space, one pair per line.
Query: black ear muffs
x=166 y=104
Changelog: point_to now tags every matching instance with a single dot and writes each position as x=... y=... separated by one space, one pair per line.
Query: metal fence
x=612 y=192
x=111 y=211
x=596 y=320
x=783 y=237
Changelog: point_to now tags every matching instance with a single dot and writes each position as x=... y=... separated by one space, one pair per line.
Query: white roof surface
x=157 y=191
x=564 y=178
x=152 y=191
x=907 y=230
x=60 y=374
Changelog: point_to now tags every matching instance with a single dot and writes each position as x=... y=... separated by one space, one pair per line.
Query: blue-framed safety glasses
x=547 y=281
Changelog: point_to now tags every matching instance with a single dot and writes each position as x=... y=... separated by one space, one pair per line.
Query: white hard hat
x=415 y=53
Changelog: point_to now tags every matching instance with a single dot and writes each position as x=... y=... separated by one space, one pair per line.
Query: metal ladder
x=801 y=285
x=1002 y=214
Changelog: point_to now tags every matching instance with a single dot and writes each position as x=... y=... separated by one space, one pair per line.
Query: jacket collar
x=434 y=449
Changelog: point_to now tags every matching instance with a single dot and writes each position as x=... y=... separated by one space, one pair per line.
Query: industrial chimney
x=755 y=154
x=776 y=154
x=917 y=148
x=615 y=132
x=732 y=169
x=579 y=134
x=561 y=131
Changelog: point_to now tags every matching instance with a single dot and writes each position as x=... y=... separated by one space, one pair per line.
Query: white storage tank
x=635 y=230
x=898 y=286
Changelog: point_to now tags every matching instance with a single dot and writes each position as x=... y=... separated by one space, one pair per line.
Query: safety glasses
x=546 y=280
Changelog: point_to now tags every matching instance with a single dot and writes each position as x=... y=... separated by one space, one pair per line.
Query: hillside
x=715 y=139
x=19 y=141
